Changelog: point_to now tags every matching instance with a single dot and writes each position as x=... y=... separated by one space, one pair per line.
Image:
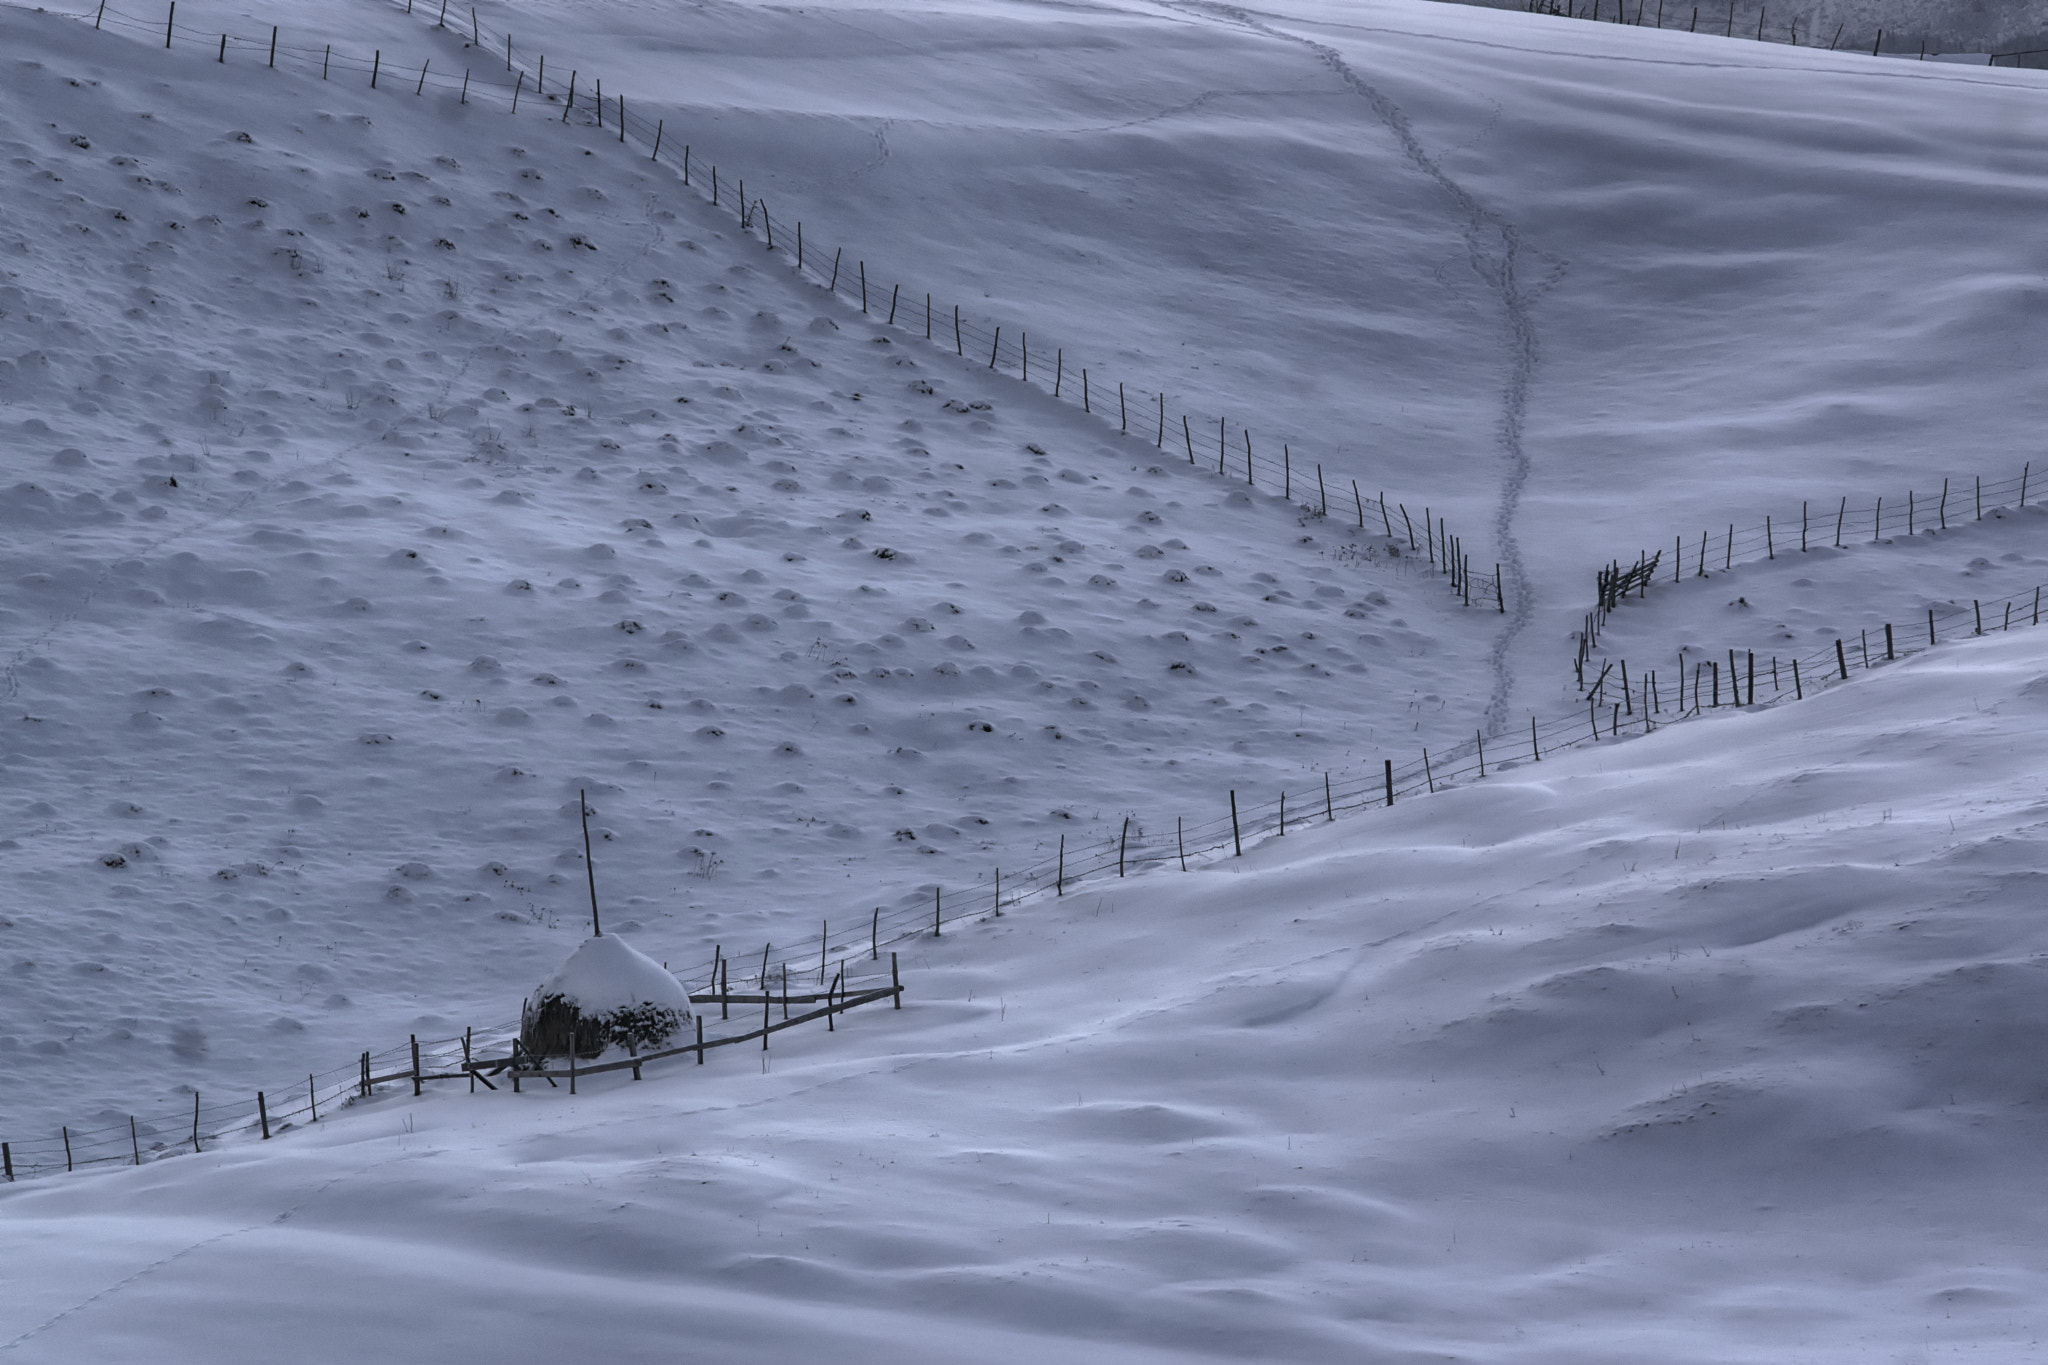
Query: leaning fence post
x=1059 y=879
x=375 y=62
x=263 y=1115
x=134 y=1143
x=1123 y=842
x=1236 y=840
x=273 y=42
x=170 y=20
x=7 y=1160
x=1841 y=659
x=67 y=1148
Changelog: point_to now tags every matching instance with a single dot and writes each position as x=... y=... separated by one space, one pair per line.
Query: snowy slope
x=381 y=471
x=384 y=476
x=1714 y=1046
x=1587 y=286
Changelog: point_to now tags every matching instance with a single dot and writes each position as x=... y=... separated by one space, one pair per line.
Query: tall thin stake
x=589 y=867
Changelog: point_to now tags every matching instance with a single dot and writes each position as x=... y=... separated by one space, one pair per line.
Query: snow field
x=1712 y=1046
x=419 y=540
x=1707 y=1047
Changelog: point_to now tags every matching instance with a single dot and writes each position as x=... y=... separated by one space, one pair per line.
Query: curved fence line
x=1815 y=527
x=1135 y=410
x=850 y=957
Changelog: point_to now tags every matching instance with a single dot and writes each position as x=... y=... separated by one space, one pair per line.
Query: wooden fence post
x=700 y=1040
x=263 y=1115
x=1841 y=659
x=937 y=923
x=1236 y=840
x=1059 y=880
x=67 y=1131
x=1123 y=842
x=134 y=1143
x=7 y=1161
x=1390 y=783
x=895 y=981
x=415 y=1065
x=195 y=1121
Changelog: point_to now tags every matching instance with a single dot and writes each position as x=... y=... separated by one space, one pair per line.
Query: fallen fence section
x=521 y=1067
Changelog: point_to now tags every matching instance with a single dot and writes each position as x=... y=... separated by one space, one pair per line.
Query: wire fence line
x=1816 y=526
x=847 y=959
x=1724 y=19
x=1135 y=410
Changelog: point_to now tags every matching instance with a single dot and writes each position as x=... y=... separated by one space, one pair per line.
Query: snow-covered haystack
x=608 y=994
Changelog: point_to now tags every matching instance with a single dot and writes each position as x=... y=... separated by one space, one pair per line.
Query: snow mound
x=608 y=994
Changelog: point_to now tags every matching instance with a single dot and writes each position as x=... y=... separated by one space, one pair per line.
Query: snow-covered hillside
x=390 y=473
x=1720 y=1045
x=381 y=470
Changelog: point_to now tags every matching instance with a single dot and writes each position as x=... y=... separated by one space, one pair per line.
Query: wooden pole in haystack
x=589 y=867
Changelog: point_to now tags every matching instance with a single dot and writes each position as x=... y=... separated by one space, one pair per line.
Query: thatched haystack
x=608 y=994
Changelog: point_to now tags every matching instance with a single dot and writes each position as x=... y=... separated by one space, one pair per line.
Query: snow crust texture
x=380 y=472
